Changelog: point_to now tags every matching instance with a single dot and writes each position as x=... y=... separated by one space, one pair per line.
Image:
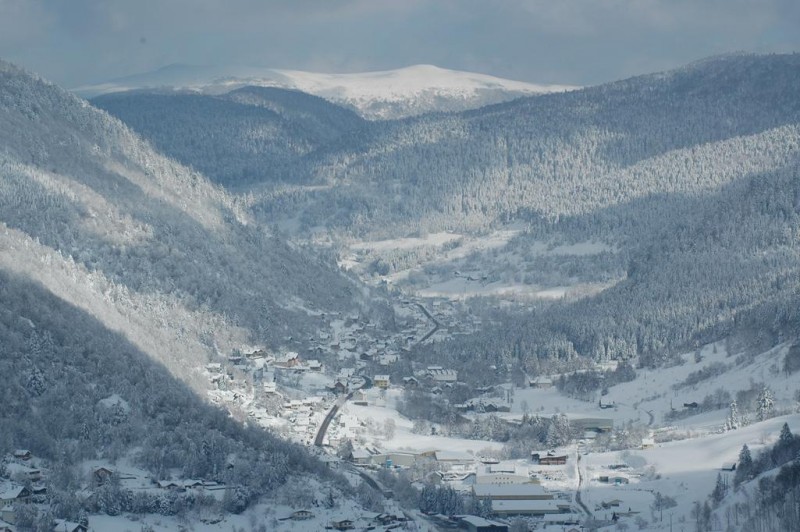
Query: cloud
x=564 y=41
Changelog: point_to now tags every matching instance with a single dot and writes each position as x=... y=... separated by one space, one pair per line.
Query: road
x=436 y=324
x=578 y=492
x=329 y=417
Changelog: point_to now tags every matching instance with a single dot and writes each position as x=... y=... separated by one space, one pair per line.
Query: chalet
x=648 y=443
x=474 y=523
x=342 y=524
x=693 y=404
x=23 y=473
x=360 y=457
x=441 y=375
x=23 y=454
x=330 y=460
x=381 y=381
x=8 y=517
x=410 y=382
x=101 y=475
x=11 y=493
x=193 y=484
x=339 y=387
x=541 y=382
x=171 y=485
x=360 y=398
x=270 y=388
x=536 y=458
x=62 y=525
x=287 y=360
x=613 y=503
x=314 y=365
x=302 y=515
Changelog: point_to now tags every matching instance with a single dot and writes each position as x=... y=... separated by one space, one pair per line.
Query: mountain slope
x=123 y=273
x=250 y=135
x=375 y=95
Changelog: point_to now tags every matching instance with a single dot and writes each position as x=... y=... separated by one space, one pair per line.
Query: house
x=381 y=381
x=360 y=457
x=693 y=404
x=62 y=525
x=613 y=503
x=287 y=360
x=101 y=475
x=541 y=382
x=23 y=454
x=314 y=365
x=171 y=485
x=302 y=515
x=339 y=387
x=473 y=523
x=553 y=460
x=12 y=493
x=729 y=466
x=648 y=443
x=439 y=374
x=330 y=460
x=342 y=524
x=23 y=473
x=8 y=515
x=410 y=382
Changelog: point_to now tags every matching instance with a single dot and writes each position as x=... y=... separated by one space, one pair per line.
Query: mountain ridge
x=379 y=95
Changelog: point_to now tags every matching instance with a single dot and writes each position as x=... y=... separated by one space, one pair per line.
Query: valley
x=293 y=301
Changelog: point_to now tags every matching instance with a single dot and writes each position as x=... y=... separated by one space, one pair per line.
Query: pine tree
x=744 y=470
x=786 y=438
x=720 y=490
x=766 y=404
x=733 y=422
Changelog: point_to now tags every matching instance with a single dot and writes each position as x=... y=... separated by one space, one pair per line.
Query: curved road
x=436 y=324
x=335 y=409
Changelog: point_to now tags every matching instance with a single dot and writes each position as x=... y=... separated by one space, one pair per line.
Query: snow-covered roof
x=500 y=491
x=530 y=505
x=10 y=491
x=477 y=521
x=452 y=456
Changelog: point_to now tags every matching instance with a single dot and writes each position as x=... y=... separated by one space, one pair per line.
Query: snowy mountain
x=379 y=95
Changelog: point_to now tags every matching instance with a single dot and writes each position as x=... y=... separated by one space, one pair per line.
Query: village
x=340 y=394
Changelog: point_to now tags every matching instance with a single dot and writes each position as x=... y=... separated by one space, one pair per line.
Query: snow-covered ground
x=684 y=470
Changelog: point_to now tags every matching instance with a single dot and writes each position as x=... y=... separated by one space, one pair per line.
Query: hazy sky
x=549 y=41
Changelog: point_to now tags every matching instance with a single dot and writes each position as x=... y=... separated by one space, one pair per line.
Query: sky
x=576 y=42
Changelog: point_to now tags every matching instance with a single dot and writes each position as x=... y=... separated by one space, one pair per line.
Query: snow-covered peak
x=385 y=94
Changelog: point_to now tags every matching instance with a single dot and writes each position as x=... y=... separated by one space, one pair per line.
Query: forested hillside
x=122 y=273
x=251 y=135
x=690 y=176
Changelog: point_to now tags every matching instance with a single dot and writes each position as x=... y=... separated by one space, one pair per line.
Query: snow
x=376 y=95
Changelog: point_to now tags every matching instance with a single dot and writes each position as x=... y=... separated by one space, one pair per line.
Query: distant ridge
x=381 y=95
